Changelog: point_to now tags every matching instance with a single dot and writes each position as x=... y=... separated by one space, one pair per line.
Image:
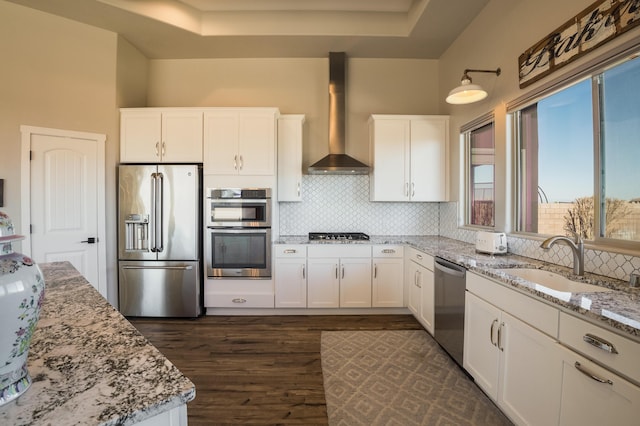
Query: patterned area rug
x=399 y=377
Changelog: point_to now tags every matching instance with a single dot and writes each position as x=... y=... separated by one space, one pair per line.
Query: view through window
x=480 y=185
x=572 y=178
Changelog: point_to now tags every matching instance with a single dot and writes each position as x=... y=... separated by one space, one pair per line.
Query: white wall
x=300 y=86
x=61 y=74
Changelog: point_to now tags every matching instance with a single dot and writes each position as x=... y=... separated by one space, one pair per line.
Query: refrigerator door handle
x=181 y=268
x=159 y=207
x=153 y=219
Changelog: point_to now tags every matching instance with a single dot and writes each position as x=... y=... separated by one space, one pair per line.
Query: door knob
x=90 y=240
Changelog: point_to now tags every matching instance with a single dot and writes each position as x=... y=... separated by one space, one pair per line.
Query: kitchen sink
x=552 y=281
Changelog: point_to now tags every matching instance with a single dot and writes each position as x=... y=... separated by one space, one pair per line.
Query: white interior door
x=67 y=202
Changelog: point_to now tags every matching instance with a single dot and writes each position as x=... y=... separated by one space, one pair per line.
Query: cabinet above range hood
x=337 y=162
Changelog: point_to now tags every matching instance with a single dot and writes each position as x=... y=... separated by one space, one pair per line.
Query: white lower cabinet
x=339 y=276
x=355 y=283
x=420 y=282
x=546 y=367
x=291 y=276
x=529 y=374
x=517 y=366
x=592 y=395
x=388 y=277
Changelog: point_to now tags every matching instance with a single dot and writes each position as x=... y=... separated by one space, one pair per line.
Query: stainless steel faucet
x=577 y=247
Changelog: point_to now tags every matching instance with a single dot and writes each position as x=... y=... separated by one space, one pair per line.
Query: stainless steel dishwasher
x=449 y=307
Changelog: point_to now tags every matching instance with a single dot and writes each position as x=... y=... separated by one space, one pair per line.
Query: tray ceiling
x=177 y=29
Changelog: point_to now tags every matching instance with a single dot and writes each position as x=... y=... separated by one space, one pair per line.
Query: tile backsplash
x=338 y=203
x=599 y=262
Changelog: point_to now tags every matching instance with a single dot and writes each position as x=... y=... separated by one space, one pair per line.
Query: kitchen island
x=90 y=366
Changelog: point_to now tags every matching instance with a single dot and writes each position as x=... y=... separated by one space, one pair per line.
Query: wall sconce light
x=467 y=92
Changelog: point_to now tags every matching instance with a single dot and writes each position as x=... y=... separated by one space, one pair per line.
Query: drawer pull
x=581 y=369
x=419 y=256
x=388 y=251
x=291 y=251
x=599 y=343
x=239 y=300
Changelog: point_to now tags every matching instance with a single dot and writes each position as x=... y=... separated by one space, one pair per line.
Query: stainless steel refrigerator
x=159 y=240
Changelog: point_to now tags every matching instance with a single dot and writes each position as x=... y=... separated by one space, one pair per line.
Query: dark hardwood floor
x=261 y=370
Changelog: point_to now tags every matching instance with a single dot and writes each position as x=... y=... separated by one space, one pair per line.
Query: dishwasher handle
x=449 y=268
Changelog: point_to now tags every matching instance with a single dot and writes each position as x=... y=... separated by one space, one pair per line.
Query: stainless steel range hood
x=337 y=162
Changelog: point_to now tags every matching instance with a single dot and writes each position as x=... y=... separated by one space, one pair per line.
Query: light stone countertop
x=618 y=310
x=89 y=365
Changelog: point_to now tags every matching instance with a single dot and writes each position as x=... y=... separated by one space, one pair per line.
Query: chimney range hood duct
x=337 y=162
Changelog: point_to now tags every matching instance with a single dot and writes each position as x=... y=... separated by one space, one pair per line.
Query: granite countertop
x=89 y=365
x=618 y=310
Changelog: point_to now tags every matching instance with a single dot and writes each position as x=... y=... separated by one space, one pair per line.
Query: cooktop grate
x=338 y=236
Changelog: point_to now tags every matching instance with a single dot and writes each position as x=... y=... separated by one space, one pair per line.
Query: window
x=480 y=167
x=577 y=159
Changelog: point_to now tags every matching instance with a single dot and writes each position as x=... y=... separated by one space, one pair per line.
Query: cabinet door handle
x=375 y=271
x=500 y=337
x=304 y=273
x=493 y=325
x=336 y=272
x=343 y=272
x=581 y=369
x=157 y=149
x=298 y=189
x=413 y=189
x=241 y=163
x=164 y=148
x=419 y=279
x=235 y=162
x=599 y=343
x=406 y=189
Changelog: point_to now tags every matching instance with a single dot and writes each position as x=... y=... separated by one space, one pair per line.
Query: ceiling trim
x=276 y=22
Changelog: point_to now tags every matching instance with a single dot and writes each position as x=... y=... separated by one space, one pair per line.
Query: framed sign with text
x=604 y=20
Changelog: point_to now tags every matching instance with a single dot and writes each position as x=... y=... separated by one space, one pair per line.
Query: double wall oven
x=238 y=233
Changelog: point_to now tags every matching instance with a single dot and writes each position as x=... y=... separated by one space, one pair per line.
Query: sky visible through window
x=566 y=161
x=565 y=134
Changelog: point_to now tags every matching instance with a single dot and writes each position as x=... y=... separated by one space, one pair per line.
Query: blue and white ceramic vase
x=21 y=296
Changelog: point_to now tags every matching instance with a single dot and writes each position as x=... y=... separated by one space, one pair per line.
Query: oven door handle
x=223 y=201
x=227 y=230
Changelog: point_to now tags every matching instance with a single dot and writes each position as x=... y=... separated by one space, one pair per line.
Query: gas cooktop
x=338 y=236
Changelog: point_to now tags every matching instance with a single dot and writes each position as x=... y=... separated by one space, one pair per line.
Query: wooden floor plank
x=260 y=370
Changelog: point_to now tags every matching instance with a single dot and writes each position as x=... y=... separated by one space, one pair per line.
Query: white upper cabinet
x=408 y=157
x=240 y=141
x=158 y=135
x=290 y=130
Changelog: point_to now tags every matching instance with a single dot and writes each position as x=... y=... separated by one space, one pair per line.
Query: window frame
x=465 y=134
x=592 y=71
